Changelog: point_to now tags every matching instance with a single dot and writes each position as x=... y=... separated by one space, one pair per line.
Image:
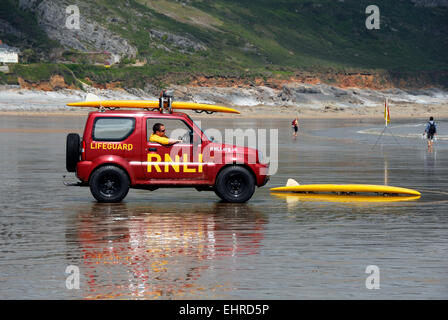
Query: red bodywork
x=151 y=165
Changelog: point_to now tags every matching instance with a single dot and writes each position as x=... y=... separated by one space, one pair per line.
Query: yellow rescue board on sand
x=348 y=188
x=144 y=104
x=294 y=197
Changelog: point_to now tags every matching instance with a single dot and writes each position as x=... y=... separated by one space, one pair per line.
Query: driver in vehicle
x=159 y=136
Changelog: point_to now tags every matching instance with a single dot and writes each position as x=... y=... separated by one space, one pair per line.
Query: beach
x=184 y=244
x=307 y=104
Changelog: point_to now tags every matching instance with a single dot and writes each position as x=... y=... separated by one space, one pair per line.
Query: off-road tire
x=73 y=151
x=235 y=184
x=109 y=184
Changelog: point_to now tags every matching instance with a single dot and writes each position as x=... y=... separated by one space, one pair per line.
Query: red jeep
x=115 y=154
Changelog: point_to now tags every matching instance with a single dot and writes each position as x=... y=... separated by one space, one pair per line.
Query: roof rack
x=166 y=101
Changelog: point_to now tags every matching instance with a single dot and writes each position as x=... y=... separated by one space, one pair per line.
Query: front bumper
x=266 y=179
x=263 y=176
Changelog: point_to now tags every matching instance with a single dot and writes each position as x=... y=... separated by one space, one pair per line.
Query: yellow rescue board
x=293 y=197
x=143 y=104
x=363 y=188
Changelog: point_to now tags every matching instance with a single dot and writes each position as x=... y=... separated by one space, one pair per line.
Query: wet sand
x=184 y=244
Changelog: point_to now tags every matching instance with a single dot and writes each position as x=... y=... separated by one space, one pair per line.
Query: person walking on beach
x=430 y=131
x=295 y=126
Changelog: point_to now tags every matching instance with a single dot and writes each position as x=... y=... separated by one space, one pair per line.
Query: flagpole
x=386 y=123
x=385 y=112
x=387 y=118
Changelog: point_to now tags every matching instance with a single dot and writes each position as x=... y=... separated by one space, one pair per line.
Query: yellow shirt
x=162 y=140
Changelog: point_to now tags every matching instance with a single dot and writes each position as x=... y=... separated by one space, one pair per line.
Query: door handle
x=152 y=149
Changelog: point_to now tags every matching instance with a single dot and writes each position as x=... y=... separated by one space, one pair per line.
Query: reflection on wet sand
x=156 y=252
x=430 y=162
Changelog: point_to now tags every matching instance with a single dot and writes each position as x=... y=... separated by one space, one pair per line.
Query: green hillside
x=298 y=33
x=248 y=38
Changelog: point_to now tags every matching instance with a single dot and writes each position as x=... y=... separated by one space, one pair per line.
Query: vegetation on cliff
x=182 y=40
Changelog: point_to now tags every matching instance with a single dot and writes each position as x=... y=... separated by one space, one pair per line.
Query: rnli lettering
x=155 y=161
x=152 y=156
x=111 y=146
x=186 y=169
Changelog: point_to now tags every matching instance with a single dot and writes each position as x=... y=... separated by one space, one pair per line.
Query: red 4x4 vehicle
x=115 y=154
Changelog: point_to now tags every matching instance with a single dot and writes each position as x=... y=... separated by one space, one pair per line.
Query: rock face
x=6 y=27
x=91 y=36
x=28 y=4
x=430 y=3
x=178 y=41
x=56 y=82
x=312 y=96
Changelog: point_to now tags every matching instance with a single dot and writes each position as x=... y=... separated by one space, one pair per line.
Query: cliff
x=162 y=42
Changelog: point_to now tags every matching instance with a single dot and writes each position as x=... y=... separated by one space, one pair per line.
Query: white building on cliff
x=8 y=54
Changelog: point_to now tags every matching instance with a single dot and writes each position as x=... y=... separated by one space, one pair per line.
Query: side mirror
x=212 y=138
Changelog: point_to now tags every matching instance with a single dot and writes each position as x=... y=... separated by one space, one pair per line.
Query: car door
x=114 y=135
x=175 y=162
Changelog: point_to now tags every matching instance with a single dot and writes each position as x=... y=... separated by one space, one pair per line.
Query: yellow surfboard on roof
x=146 y=104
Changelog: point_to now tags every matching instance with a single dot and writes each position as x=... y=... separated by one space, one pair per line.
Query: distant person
x=295 y=126
x=430 y=131
x=159 y=136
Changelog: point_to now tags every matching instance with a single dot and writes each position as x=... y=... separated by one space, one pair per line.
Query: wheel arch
x=233 y=164
x=105 y=164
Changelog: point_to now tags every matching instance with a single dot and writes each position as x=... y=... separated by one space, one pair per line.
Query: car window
x=112 y=129
x=175 y=128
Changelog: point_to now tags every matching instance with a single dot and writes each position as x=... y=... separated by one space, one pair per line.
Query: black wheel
x=109 y=184
x=72 y=152
x=235 y=184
